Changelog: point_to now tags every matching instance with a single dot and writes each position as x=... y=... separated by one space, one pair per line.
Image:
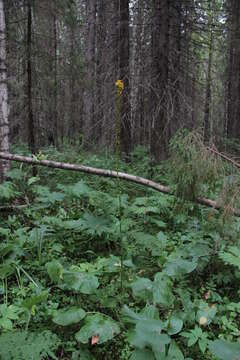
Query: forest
x=119 y=179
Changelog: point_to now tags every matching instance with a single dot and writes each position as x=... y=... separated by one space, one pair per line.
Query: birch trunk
x=4 y=128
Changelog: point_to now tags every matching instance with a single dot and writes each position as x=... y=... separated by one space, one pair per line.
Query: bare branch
x=108 y=173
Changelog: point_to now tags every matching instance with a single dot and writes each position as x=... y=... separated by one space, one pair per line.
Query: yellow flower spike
x=120 y=86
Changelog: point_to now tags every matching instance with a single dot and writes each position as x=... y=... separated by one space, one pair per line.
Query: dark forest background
x=179 y=60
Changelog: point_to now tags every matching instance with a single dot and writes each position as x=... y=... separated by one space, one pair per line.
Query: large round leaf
x=69 y=317
x=142 y=355
x=80 y=281
x=225 y=350
x=102 y=327
x=175 y=325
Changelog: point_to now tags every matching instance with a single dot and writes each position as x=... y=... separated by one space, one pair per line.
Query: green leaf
x=6 y=324
x=97 y=325
x=10 y=312
x=77 y=190
x=28 y=345
x=162 y=290
x=202 y=345
x=80 y=281
x=142 y=355
x=69 y=316
x=175 y=325
x=179 y=266
x=35 y=300
x=142 y=288
x=148 y=334
x=174 y=352
x=33 y=180
x=150 y=312
x=225 y=350
x=207 y=312
x=231 y=257
x=55 y=271
x=95 y=224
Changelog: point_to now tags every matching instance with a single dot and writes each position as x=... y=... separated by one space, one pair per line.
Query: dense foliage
x=93 y=268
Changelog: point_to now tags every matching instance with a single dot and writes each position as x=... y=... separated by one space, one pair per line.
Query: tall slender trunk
x=159 y=81
x=208 y=98
x=31 y=127
x=89 y=95
x=124 y=74
x=4 y=127
x=55 y=95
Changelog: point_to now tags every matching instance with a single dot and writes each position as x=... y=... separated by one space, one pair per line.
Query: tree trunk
x=124 y=74
x=208 y=98
x=89 y=96
x=55 y=91
x=159 y=82
x=31 y=127
x=4 y=128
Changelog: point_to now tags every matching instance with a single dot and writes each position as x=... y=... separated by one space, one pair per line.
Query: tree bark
x=4 y=127
x=89 y=96
x=55 y=95
x=124 y=74
x=31 y=125
x=159 y=83
x=208 y=98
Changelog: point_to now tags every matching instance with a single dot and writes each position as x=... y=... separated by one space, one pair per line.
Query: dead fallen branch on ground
x=108 y=173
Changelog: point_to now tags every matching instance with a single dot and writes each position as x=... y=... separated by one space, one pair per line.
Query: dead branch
x=223 y=156
x=107 y=173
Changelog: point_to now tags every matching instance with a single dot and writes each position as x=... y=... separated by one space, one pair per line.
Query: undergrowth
x=62 y=292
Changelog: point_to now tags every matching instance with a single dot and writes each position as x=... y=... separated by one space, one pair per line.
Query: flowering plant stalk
x=119 y=87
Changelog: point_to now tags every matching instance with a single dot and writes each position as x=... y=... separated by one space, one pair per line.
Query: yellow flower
x=34 y=308
x=120 y=86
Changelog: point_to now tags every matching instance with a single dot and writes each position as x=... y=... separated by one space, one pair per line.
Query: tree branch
x=108 y=173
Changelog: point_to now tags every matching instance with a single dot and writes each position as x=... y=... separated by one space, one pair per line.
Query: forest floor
x=96 y=268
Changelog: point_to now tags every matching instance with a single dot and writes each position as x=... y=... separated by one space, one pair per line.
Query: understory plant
x=86 y=274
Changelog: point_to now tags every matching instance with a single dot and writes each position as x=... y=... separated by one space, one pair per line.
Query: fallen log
x=108 y=173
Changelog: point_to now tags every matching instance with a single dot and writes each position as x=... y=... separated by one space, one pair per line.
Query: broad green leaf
x=175 y=325
x=55 y=271
x=77 y=190
x=35 y=300
x=6 y=324
x=23 y=345
x=174 y=352
x=225 y=350
x=10 y=312
x=179 y=266
x=142 y=288
x=48 y=197
x=162 y=290
x=148 y=313
x=68 y=317
x=95 y=224
x=206 y=312
x=97 y=325
x=80 y=281
x=203 y=345
x=148 y=335
x=143 y=354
